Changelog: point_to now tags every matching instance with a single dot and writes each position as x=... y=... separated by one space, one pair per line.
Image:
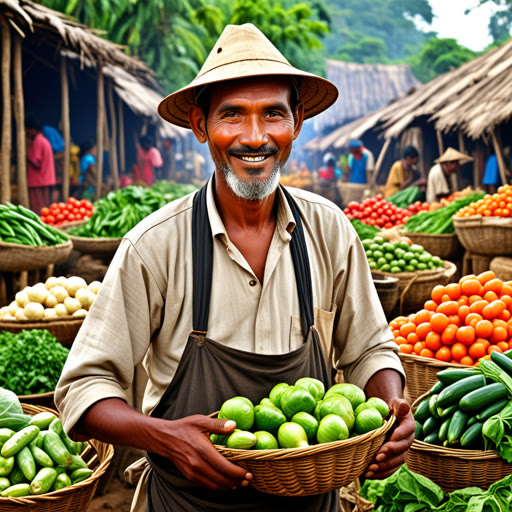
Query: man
x=442 y=178
x=277 y=278
x=148 y=159
x=403 y=173
x=360 y=163
x=40 y=166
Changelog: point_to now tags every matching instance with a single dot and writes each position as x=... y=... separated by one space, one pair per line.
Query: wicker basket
x=19 y=258
x=414 y=288
x=312 y=470
x=502 y=267
x=447 y=247
x=387 y=289
x=453 y=469
x=420 y=374
x=491 y=236
x=64 y=329
x=76 y=497
x=99 y=247
x=41 y=399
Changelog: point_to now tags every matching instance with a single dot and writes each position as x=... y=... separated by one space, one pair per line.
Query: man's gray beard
x=251 y=190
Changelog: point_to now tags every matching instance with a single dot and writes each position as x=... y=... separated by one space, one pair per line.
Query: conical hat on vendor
x=243 y=51
x=452 y=155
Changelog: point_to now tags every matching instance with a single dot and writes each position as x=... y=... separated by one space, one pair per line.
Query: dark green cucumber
x=433 y=438
x=450 y=376
x=443 y=429
x=437 y=388
x=454 y=392
x=422 y=412
x=457 y=424
x=418 y=433
x=445 y=413
x=432 y=406
x=472 y=419
x=477 y=400
x=491 y=410
x=429 y=426
x=472 y=437
x=504 y=362
x=55 y=448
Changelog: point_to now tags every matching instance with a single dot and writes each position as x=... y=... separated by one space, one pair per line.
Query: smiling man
x=228 y=292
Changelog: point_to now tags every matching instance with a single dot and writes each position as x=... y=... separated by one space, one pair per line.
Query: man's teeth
x=252 y=158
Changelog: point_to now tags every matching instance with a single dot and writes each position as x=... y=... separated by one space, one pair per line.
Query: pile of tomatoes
x=74 y=209
x=418 y=207
x=376 y=211
x=462 y=322
x=495 y=205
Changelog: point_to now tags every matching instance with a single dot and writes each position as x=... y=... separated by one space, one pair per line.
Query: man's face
x=450 y=167
x=410 y=162
x=250 y=129
x=356 y=151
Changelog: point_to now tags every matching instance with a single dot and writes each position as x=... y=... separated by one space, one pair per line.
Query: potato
x=51 y=301
x=20 y=314
x=37 y=293
x=13 y=307
x=21 y=299
x=94 y=286
x=72 y=305
x=60 y=293
x=85 y=297
x=75 y=283
x=50 y=313
x=51 y=282
x=33 y=311
x=80 y=312
x=61 y=310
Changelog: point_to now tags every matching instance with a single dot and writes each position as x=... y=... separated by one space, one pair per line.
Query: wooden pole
x=440 y=142
x=499 y=156
x=122 y=154
x=66 y=129
x=380 y=159
x=114 y=171
x=19 y=115
x=100 y=129
x=5 y=169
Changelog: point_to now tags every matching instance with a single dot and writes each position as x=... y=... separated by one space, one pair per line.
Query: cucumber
x=20 y=439
x=477 y=400
x=5 y=435
x=445 y=413
x=73 y=447
x=437 y=388
x=61 y=481
x=418 y=433
x=16 y=491
x=42 y=419
x=450 y=376
x=77 y=463
x=472 y=437
x=457 y=423
x=80 y=474
x=40 y=456
x=422 y=412
x=429 y=426
x=432 y=406
x=443 y=429
x=472 y=419
x=26 y=463
x=454 y=392
x=432 y=438
x=55 y=448
x=6 y=465
x=56 y=426
x=38 y=441
x=4 y=483
x=491 y=410
x=504 y=362
x=16 y=476
x=43 y=481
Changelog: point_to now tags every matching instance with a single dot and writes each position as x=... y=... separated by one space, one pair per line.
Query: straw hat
x=244 y=51
x=450 y=155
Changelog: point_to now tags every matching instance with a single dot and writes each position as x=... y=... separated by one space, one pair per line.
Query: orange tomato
x=400 y=340
x=455 y=319
x=506 y=289
x=423 y=315
x=438 y=322
x=449 y=335
x=483 y=329
x=433 y=341
x=486 y=276
x=493 y=309
x=412 y=338
x=466 y=335
x=467 y=360
x=499 y=334
x=463 y=313
x=430 y=305
x=458 y=351
x=437 y=293
x=503 y=345
x=478 y=306
x=505 y=315
x=443 y=354
x=406 y=348
x=471 y=287
x=467 y=277
x=477 y=350
x=419 y=346
x=490 y=296
x=454 y=291
x=448 y=308
x=493 y=347
x=494 y=285
x=426 y=352
x=463 y=300
x=407 y=328
x=472 y=319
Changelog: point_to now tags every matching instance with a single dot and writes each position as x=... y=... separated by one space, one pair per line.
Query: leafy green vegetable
x=403 y=198
x=364 y=231
x=11 y=413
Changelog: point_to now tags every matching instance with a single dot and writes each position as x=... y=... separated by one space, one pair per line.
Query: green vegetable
x=352 y=393
x=457 y=423
x=364 y=231
x=16 y=491
x=26 y=462
x=368 y=420
x=504 y=362
x=44 y=480
x=472 y=437
x=479 y=399
x=336 y=404
x=314 y=386
x=6 y=465
x=292 y=435
x=422 y=411
x=407 y=196
x=450 y=376
x=496 y=426
x=19 y=440
x=239 y=439
x=42 y=419
x=61 y=481
x=40 y=456
x=4 y=483
x=11 y=413
x=491 y=410
x=308 y=422
x=240 y=410
x=454 y=392
x=332 y=428
x=295 y=399
x=55 y=448
x=276 y=392
x=81 y=474
x=265 y=441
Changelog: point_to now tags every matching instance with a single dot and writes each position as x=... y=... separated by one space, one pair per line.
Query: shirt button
x=253 y=282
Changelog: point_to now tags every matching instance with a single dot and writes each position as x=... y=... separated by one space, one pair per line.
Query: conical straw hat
x=243 y=51
x=450 y=155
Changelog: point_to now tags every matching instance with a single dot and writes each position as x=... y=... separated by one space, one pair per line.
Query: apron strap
x=202 y=256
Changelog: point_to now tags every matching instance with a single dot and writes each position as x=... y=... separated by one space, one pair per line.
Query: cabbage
x=11 y=413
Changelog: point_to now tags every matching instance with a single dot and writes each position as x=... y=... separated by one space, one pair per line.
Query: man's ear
x=298 y=118
x=197 y=122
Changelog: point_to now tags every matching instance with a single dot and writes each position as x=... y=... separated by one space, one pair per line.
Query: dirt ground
x=117 y=497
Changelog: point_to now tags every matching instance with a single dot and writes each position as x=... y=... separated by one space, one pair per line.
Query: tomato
x=59 y=217
x=50 y=219
x=71 y=217
x=82 y=210
x=54 y=211
x=45 y=211
x=73 y=201
x=78 y=216
x=64 y=212
x=61 y=205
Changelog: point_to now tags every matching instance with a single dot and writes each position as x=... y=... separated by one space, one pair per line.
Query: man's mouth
x=258 y=158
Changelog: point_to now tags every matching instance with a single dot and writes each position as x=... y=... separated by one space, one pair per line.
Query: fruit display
x=462 y=323
x=70 y=211
x=376 y=211
x=398 y=256
x=495 y=205
x=300 y=415
x=36 y=456
x=56 y=297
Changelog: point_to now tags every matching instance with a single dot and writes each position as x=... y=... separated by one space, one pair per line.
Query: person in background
x=442 y=177
x=40 y=166
x=403 y=172
x=361 y=163
x=148 y=158
x=88 y=174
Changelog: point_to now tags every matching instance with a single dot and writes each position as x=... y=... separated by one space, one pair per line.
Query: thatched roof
x=363 y=89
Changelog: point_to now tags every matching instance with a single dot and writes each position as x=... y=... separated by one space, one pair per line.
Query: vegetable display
x=495 y=205
x=376 y=211
x=439 y=221
x=407 y=196
x=37 y=456
x=397 y=257
x=462 y=322
x=364 y=231
x=56 y=297
x=19 y=225
x=299 y=415
x=59 y=213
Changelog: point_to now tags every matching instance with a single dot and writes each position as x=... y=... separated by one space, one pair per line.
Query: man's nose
x=254 y=133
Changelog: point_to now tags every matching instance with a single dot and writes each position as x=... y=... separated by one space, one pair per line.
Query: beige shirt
x=438 y=183
x=144 y=309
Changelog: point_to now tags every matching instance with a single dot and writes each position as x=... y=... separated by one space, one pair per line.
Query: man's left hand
x=392 y=453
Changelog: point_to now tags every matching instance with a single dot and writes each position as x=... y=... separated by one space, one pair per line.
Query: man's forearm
x=385 y=384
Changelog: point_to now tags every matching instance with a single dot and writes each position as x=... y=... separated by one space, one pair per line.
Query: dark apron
x=210 y=373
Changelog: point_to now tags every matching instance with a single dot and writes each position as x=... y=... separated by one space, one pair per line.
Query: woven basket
x=414 y=288
x=64 y=329
x=420 y=373
x=76 y=497
x=502 y=267
x=41 y=399
x=19 y=258
x=99 y=247
x=447 y=247
x=387 y=289
x=312 y=470
x=453 y=469
x=491 y=236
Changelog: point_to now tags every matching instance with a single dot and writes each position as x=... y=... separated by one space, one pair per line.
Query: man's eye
x=229 y=114
x=274 y=113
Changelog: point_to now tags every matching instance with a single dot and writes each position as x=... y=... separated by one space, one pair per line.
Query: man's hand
x=392 y=454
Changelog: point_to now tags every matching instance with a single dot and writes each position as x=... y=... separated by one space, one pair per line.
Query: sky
x=469 y=30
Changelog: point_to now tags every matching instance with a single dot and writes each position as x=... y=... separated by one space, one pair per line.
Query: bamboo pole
x=5 y=174
x=499 y=156
x=66 y=129
x=114 y=171
x=440 y=142
x=380 y=159
x=19 y=115
x=100 y=128
x=122 y=154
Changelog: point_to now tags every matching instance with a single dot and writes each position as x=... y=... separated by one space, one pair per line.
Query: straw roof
x=363 y=89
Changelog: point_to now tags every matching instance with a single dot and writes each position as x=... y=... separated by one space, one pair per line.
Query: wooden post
x=122 y=154
x=5 y=168
x=66 y=129
x=440 y=142
x=380 y=159
x=19 y=115
x=100 y=128
x=114 y=171
x=499 y=156
x=461 y=142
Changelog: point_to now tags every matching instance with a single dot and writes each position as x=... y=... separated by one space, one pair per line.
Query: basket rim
x=430 y=235
x=294 y=453
x=65 y=320
x=429 y=361
x=480 y=221
x=448 y=267
x=48 y=394
x=63 y=245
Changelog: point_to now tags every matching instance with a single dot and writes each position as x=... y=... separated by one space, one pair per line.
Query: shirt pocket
x=324 y=324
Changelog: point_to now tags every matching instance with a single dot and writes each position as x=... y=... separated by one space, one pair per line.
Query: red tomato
x=59 y=217
x=64 y=212
x=71 y=217
x=78 y=216
x=50 y=219
x=61 y=205
x=82 y=210
x=45 y=211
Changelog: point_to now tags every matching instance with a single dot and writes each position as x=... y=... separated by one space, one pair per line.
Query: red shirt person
x=148 y=157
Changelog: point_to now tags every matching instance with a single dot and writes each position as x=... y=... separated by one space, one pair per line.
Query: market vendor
x=229 y=291
x=403 y=173
x=442 y=178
